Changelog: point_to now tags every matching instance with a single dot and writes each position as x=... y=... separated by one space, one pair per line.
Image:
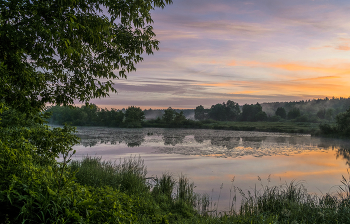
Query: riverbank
x=107 y=192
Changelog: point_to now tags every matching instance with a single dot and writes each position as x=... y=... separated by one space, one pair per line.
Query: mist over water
x=213 y=158
x=154 y=114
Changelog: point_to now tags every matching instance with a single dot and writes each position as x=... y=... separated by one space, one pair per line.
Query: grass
x=128 y=175
x=120 y=192
x=177 y=202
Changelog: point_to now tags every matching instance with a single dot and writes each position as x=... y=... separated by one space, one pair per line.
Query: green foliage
x=179 y=118
x=173 y=118
x=321 y=113
x=169 y=115
x=58 y=51
x=253 y=113
x=341 y=129
x=302 y=118
x=133 y=117
x=225 y=112
x=293 y=113
x=343 y=123
x=200 y=113
x=88 y=115
x=127 y=176
x=281 y=112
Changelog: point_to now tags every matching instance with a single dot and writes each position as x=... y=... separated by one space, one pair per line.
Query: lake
x=212 y=159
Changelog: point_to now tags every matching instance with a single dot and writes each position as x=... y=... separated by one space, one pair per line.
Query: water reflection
x=226 y=142
x=173 y=139
x=245 y=155
x=217 y=143
x=345 y=154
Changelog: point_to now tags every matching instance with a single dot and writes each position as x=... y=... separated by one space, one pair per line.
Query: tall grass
x=128 y=175
x=175 y=199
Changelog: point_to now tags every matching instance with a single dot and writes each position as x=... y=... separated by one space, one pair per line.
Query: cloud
x=343 y=48
x=262 y=51
x=342 y=44
x=164 y=35
x=244 y=92
x=298 y=66
x=297 y=87
x=230 y=27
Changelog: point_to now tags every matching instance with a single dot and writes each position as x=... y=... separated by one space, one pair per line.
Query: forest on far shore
x=327 y=112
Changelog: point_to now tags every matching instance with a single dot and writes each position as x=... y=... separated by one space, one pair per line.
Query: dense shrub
x=293 y=113
x=281 y=112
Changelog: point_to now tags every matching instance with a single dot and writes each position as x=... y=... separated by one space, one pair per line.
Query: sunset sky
x=247 y=51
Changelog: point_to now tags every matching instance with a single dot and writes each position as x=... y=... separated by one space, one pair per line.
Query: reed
x=104 y=191
x=129 y=175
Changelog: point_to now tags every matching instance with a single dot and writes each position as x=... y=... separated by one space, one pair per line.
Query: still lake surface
x=213 y=158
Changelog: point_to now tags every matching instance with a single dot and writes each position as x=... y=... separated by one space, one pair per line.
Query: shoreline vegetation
x=329 y=117
x=96 y=191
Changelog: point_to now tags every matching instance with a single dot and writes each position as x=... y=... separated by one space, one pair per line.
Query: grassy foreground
x=110 y=192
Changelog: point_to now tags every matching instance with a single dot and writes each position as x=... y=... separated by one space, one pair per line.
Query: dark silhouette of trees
x=133 y=117
x=342 y=127
x=87 y=115
x=281 y=112
x=179 y=118
x=253 y=112
x=232 y=110
x=294 y=113
x=218 y=112
x=200 y=113
x=228 y=111
x=321 y=113
x=343 y=123
x=169 y=115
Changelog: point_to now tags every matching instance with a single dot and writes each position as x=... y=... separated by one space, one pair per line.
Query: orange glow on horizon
x=294 y=66
x=327 y=86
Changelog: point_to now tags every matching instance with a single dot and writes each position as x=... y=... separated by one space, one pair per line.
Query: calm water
x=213 y=158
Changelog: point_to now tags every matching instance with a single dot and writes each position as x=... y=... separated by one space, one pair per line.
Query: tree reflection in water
x=345 y=154
x=227 y=142
x=214 y=142
x=171 y=139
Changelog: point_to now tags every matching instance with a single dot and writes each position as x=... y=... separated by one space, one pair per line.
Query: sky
x=247 y=51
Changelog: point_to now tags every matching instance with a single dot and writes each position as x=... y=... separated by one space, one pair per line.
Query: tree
x=329 y=114
x=62 y=50
x=294 y=113
x=228 y=111
x=281 y=112
x=218 y=112
x=133 y=117
x=199 y=113
x=169 y=115
x=253 y=113
x=342 y=123
x=260 y=116
x=57 y=52
x=232 y=110
x=179 y=118
x=321 y=113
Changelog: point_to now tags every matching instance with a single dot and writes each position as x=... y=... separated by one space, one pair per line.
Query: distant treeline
x=132 y=117
x=317 y=111
x=91 y=115
x=332 y=114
